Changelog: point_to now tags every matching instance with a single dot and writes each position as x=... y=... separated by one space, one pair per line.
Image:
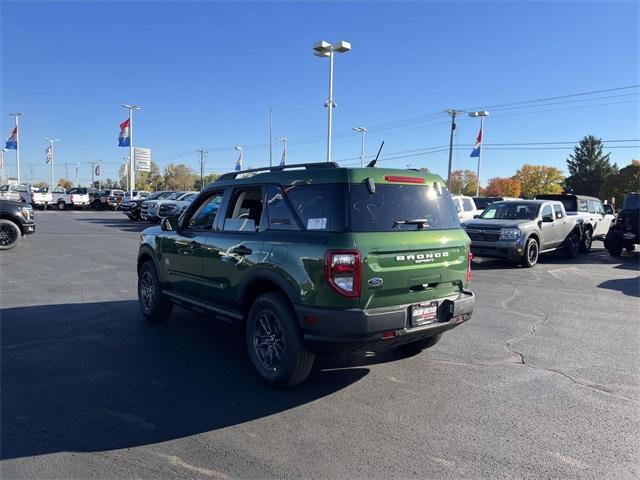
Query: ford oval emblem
x=375 y=282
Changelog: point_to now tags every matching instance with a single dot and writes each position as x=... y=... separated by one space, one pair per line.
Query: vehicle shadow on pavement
x=125 y=224
x=628 y=286
x=96 y=376
x=630 y=261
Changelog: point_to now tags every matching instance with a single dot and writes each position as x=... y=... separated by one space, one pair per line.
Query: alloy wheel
x=8 y=235
x=268 y=340
x=147 y=291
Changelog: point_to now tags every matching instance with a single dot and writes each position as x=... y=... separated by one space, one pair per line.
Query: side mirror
x=547 y=219
x=169 y=224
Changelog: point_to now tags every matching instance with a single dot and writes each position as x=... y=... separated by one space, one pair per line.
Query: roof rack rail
x=233 y=175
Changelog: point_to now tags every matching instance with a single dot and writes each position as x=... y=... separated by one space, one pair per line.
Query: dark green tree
x=618 y=185
x=588 y=167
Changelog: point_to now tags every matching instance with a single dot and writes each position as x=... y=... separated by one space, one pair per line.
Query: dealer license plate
x=424 y=313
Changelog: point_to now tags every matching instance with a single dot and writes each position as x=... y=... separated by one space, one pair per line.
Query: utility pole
x=66 y=170
x=453 y=114
x=100 y=175
x=361 y=131
x=203 y=154
x=283 y=159
x=77 y=174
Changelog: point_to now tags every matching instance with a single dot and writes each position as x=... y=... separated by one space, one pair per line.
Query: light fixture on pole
x=361 y=131
x=477 y=151
x=50 y=158
x=325 y=49
x=283 y=159
x=132 y=167
x=240 y=158
x=17 y=147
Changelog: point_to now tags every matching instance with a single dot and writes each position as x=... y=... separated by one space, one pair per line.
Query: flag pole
x=17 y=121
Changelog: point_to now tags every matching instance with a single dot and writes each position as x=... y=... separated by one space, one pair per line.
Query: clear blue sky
x=206 y=74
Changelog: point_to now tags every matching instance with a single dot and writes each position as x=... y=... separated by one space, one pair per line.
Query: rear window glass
x=483 y=202
x=401 y=207
x=319 y=207
x=631 y=202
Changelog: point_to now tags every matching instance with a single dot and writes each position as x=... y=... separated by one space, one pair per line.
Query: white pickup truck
x=74 y=197
x=36 y=199
x=590 y=209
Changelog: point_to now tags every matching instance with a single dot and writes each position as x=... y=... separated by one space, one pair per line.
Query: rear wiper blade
x=420 y=222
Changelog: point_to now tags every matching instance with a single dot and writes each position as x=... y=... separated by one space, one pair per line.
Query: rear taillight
x=342 y=272
x=469 y=259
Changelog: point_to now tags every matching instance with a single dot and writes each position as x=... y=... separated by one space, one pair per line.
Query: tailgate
x=400 y=268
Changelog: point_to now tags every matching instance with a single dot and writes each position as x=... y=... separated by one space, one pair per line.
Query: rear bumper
x=339 y=331
x=499 y=249
x=619 y=235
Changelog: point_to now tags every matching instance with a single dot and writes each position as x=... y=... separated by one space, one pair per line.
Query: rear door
x=412 y=247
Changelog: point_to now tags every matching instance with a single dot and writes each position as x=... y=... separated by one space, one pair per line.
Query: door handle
x=242 y=250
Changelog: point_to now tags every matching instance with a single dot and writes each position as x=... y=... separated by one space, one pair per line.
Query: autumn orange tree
x=503 y=187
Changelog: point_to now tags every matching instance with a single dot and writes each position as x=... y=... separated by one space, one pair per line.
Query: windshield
x=174 y=196
x=511 y=211
x=631 y=202
x=401 y=208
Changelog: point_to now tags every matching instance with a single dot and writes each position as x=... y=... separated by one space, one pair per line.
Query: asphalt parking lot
x=543 y=382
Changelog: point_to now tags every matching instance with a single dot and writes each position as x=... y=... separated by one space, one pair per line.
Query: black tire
x=587 y=241
x=414 y=348
x=97 y=205
x=153 y=304
x=615 y=248
x=10 y=234
x=531 y=253
x=572 y=246
x=61 y=205
x=274 y=342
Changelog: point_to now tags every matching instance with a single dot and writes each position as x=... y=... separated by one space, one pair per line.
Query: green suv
x=314 y=259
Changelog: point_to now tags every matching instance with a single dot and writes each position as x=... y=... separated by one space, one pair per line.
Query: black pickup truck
x=16 y=221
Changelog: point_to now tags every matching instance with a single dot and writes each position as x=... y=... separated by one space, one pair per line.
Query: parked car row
x=158 y=205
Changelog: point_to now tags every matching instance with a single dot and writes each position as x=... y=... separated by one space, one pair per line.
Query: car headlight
x=509 y=233
x=26 y=213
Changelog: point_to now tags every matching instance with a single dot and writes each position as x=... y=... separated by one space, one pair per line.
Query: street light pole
x=481 y=114
x=16 y=116
x=51 y=142
x=325 y=49
x=240 y=159
x=453 y=114
x=362 y=131
x=132 y=169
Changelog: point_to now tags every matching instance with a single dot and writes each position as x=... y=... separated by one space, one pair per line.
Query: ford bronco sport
x=314 y=259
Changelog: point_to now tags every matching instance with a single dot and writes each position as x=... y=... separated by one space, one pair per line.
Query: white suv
x=465 y=206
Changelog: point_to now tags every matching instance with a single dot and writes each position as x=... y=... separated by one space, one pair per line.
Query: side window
x=582 y=206
x=558 y=211
x=468 y=206
x=599 y=208
x=245 y=211
x=591 y=206
x=546 y=211
x=204 y=217
x=278 y=210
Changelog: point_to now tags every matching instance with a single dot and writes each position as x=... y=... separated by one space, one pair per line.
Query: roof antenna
x=372 y=163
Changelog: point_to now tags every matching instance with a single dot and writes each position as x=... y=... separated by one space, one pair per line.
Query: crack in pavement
x=509 y=346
